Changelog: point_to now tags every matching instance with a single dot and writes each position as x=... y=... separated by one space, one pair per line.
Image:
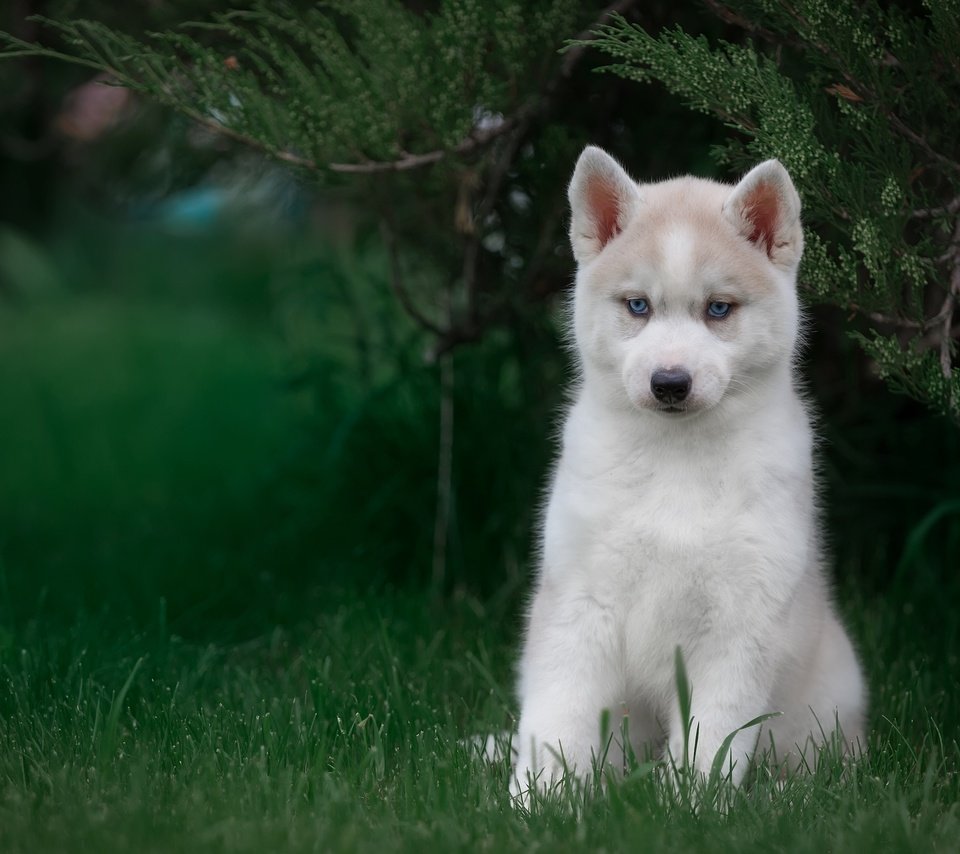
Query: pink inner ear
x=761 y=210
x=604 y=205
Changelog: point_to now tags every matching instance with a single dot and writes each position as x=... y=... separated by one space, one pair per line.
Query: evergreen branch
x=23 y=49
x=339 y=96
x=104 y=66
x=213 y=125
x=868 y=93
x=537 y=104
x=101 y=58
x=858 y=90
x=582 y=41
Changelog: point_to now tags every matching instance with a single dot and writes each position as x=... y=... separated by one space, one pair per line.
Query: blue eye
x=718 y=309
x=638 y=306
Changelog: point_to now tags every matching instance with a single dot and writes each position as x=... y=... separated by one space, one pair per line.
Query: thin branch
x=396 y=282
x=921 y=141
x=949 y=209
x=475 y=140
x=949 y=307
x=441 y=521
x=727 y=15
x=403 y=164
x=244 y=139
x=29 y=49
x=898 y=322
x=497 y=175
x=455 y=337
x=889 y=319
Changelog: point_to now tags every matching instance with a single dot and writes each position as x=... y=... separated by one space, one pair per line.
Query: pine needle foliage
x=858 y=100
x=339 y=81
x=434 y=115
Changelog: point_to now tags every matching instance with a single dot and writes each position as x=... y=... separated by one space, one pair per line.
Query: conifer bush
x=446 y=123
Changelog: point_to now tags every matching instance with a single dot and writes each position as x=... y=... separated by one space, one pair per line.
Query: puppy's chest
x=663 y=558
x=662 y=550
x=661 y=545
x=626 y=525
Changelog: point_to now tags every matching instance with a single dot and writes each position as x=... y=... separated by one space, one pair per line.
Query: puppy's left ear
x=765 y=209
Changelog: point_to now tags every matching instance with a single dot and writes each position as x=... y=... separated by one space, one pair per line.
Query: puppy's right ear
x=603 y=199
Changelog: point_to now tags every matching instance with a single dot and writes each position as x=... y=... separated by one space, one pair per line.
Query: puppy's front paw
x=522 y=779
x=529 y=784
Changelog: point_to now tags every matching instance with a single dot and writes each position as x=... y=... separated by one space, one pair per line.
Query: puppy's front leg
x=730 y=687
x=568 y=677
x=559 y=733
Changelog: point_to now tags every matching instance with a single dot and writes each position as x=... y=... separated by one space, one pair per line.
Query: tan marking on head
x=692 y=207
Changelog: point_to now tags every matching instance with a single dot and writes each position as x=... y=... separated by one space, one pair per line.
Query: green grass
x=214 y=629
x=343 y=733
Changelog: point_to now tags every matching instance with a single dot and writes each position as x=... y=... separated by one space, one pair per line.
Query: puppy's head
x=686 y=289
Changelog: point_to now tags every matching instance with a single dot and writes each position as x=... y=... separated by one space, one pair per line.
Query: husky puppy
x=682 y=511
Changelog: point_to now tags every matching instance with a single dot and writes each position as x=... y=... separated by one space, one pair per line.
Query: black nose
x=671 y=385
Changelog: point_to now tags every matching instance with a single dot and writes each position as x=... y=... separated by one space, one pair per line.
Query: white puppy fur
x=682 y=511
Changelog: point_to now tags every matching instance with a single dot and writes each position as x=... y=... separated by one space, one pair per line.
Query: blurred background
x=215 y=407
